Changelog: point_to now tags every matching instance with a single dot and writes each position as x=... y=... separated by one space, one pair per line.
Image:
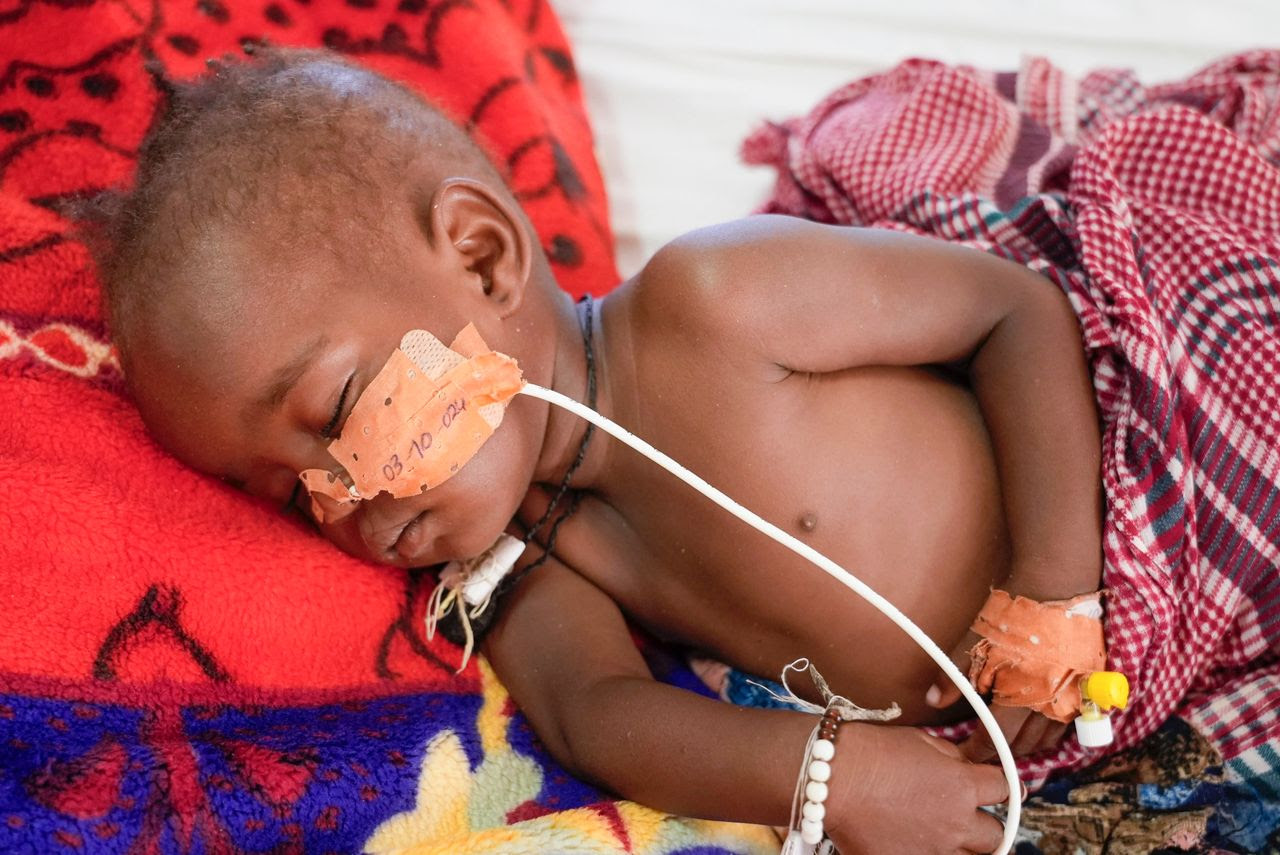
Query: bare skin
x=919 y=412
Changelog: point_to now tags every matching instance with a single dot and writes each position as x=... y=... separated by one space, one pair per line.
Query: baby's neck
x=615 y=393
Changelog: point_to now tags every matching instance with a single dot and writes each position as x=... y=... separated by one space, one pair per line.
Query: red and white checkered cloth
x=1158 y=211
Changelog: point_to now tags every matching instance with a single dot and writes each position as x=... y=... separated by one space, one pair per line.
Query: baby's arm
x=563 y=650
x=814 y=298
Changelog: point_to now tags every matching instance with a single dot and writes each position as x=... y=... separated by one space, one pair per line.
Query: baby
x=920 y=412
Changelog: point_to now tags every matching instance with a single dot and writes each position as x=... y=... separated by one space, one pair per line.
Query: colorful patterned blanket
x=1157 y=210
x=183 y=670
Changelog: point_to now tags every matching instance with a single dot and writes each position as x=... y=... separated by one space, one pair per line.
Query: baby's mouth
x=408 y=542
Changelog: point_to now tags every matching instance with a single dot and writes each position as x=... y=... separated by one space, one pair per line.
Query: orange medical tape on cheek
x=1034 y=654
x=425 y=414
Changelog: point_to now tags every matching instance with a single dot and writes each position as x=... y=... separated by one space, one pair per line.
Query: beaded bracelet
x=815 y=772
x=818 y=772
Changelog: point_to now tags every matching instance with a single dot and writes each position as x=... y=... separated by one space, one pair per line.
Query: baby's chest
x=887 y=471
x=676 y=560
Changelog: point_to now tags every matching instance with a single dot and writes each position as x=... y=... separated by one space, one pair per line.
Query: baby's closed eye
x=332 y=427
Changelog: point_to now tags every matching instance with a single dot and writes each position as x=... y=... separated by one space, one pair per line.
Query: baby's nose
x=333 y=497
x=329 y=511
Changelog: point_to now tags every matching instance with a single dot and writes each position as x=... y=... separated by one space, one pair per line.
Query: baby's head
x=293 y=216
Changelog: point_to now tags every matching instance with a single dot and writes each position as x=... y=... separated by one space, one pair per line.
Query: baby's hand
x=903 y=791
x=1026 y=731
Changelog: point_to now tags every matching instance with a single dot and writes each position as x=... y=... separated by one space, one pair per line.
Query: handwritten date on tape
x=425 y=414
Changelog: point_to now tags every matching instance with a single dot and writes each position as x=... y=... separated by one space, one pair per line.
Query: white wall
x=674 y=85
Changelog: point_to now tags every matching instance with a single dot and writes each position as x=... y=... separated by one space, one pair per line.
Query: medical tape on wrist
x=1034 y=654
x=424 y=415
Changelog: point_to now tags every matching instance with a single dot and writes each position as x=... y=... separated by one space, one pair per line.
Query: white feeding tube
x=833 y=569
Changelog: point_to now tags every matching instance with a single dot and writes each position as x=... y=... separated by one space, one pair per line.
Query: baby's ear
x=489 y=233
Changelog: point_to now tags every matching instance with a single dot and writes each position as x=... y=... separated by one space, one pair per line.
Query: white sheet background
x=674 y=85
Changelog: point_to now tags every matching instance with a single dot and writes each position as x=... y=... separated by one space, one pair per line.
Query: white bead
x=811 y=832
x=815 y=791
x=813 y=810
x=820 y=771
x=824 y=749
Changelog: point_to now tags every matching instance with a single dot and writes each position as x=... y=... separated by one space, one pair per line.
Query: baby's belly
x=887 y=471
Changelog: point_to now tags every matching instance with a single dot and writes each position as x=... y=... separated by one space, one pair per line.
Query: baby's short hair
x=285 y=139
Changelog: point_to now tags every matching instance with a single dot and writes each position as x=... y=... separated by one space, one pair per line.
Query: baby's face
x=271 y=380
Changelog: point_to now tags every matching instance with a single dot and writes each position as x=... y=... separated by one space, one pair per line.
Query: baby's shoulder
x=709 y=282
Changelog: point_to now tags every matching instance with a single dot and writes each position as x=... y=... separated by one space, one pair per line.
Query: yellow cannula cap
x=1107 y=689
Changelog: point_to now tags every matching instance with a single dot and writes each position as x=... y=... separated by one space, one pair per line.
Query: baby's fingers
x=985 y=832
x=1050 y=737
x=989 y=785
x=944 y=692
x=1028 y=739
x=979 y=747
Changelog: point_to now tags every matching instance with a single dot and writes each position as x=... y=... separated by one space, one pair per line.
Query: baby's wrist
x=1033 y=653
x=1045 y=579
x=843 y=796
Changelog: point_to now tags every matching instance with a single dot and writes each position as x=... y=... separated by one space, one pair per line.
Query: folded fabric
x=1157 y=210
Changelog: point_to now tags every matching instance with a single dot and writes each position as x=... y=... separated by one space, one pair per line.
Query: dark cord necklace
x=450 y=626
x=588 y=346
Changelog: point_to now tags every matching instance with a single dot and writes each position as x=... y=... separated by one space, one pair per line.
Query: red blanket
x=1158 y=211
x=97 y=520
x=181 y=668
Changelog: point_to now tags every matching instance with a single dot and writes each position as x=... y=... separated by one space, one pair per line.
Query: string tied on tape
x=844 y=708
x=469 y=587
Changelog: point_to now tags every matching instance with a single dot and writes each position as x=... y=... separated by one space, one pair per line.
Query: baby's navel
x=807 y=521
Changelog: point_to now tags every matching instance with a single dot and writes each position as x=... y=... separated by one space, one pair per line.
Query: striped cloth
x=1157 y=210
